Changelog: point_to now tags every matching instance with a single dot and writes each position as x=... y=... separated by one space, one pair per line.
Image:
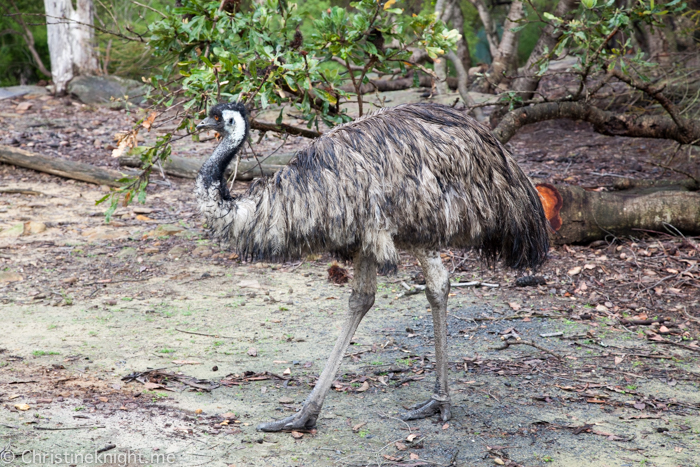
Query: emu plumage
x=417 y=177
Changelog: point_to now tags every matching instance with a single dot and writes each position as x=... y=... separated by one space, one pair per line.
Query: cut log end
x=552 y=203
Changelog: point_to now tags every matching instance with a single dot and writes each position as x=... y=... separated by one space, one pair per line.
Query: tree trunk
x=462 y=45
x=580 y=216
x=71 y=40
x=506 y=57
x=489 y=26
x=443 y=11
x=528 y=83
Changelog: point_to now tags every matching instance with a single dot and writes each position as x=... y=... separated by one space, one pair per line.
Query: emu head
x=230 y=120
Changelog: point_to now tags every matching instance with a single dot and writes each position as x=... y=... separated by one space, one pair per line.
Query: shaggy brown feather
x=412 y=176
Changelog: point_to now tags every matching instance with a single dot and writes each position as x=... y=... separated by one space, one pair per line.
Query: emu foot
x=300 y=421
x=429 y=408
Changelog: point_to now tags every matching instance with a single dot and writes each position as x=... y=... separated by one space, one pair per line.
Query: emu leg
x=361 y=300
x=437 y=289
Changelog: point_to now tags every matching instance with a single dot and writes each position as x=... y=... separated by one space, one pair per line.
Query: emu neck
x=212 y=171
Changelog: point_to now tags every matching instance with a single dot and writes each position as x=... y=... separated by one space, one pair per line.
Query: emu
x=417 y=177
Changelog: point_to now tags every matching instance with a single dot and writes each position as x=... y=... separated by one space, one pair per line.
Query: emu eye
x=230 y=122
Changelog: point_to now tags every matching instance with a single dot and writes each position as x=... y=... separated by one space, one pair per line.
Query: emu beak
x=207 y=123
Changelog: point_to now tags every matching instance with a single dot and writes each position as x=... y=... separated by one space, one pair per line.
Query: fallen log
x=61 y=167
x=185 y=167
x=580 y=216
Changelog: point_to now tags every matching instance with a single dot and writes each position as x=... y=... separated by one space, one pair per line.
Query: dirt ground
x=141 y=342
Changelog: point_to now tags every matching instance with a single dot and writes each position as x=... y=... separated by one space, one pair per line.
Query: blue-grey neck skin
x=234 y=128
x=213 y=169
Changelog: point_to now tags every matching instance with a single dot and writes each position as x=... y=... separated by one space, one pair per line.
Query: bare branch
x=609 y=123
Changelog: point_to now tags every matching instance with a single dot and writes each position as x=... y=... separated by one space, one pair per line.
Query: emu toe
x=428 y=409
x=298 y=421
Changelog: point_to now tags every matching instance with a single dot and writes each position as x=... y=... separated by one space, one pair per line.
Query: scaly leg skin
x=437 y=289
x=361 y=300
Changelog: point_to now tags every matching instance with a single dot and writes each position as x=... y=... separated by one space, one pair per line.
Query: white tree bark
x=443 y=10
x=489 y=26
x=528 y=82
x=71 y=40
x=507 y=49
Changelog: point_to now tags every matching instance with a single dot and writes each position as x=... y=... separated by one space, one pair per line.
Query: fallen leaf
x=253 y=352
x=514 y=306
x=287 y=372
x=22 y=407
x=186 y=362
x=363 y=388
x=618 y=360
x=445 y=426
x=150 y=386
x=574 y=271
x=499 y=461
x=589 y=266
x=602 y=308
x=297 y=434
x=414 y=456
x=249 y=284
x=411 y=437
x=103 y=399
x=357 y=427
x=663 y=329
x=400 y=446
x=229 y=415
x=391 y=458
x=198 y=411
x=149 y=121
x=143 y=218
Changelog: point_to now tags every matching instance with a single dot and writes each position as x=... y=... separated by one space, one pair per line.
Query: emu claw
x=299 y=421
x=428 y=409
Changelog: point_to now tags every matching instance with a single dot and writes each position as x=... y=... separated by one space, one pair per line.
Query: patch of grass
x=41 y=353
x=166 y=350
x=404 y=361
x=156 y=396
x=376 y=362
x=363 y=433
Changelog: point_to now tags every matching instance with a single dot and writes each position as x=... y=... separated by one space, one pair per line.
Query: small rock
x=202 y=252
x=253 y=352
x=164 y=230
x=286 y=400
x=177 y=252
x=33 y=228
x=104 y=233
x=9 y=276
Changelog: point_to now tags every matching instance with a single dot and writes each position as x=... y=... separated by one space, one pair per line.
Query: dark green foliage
x=16 y=62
